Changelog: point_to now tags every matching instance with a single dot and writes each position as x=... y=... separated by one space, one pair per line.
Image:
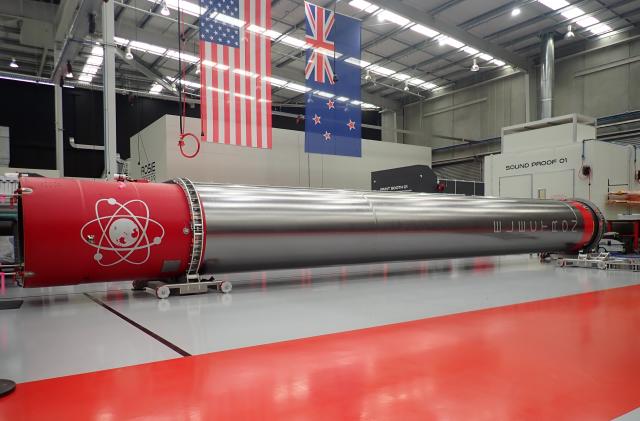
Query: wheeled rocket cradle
x=179 y=234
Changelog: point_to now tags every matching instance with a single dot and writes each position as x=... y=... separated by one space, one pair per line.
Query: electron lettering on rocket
x=122 y=232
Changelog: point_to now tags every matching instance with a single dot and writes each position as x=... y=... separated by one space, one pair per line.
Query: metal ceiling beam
x=64 y=18
x=141 y=67
x=78 y=29
x=130 y=32
x=453 y=31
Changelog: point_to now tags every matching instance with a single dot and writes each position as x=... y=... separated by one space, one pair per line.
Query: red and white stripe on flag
x=235 y=93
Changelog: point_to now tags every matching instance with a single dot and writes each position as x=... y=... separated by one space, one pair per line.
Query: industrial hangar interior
x=322 y=210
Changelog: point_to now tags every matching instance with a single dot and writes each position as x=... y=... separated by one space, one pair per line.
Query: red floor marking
x=574 y=358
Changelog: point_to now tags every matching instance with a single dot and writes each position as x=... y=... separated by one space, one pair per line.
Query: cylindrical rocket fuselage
x=100 y=230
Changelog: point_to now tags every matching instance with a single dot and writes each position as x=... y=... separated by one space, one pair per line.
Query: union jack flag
x=319 y=25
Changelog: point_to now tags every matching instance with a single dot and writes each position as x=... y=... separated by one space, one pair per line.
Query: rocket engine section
x=75 y=231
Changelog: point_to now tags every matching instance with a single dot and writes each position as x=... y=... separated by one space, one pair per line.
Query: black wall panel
x=28 y=110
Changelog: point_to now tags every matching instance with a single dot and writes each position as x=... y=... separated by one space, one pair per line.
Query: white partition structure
x=155 y=155
x=545 y=159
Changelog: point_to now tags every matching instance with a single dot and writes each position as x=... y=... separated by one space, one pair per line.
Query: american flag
x=235 y=57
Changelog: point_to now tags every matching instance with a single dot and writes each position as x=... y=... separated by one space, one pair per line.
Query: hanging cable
x=182 y=99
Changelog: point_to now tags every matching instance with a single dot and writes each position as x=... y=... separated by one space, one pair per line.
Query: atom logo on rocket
x=122 y=232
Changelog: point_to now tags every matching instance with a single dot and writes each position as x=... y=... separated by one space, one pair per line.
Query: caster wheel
x=139 y=285
x=163 y=292
x=226 y=287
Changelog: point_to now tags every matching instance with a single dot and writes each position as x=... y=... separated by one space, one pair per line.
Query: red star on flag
x=327 y=136
x=330 y=104
x=316 y=119
x=352 y=125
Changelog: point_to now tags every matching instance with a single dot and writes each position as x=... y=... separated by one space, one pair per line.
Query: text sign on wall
x=538 y=163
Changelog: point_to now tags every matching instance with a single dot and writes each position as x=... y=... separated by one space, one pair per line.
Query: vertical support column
x=547 y=73
x=527 y=98
x=109 y=90
x=57 y=90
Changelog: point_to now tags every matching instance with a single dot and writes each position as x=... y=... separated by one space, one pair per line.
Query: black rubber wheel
x=7 y=386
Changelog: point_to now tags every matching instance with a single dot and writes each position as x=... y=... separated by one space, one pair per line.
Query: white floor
x=61 y=331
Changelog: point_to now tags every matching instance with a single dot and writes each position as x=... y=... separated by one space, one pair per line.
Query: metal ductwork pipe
x=75 y=231
x=547 y=74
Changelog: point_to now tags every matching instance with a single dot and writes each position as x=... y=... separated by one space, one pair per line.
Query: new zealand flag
x=333 y=115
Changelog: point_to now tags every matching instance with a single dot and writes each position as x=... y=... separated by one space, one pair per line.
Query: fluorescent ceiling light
x=416 y=82
x=554 y=4
x=428 y=32
x=485 y=57
x=588 y=21
x=85 y=77
x=272 y=34
x=186 y=6
x=428 y=85
x=229 y=20
x=363 y=5
x=600 y=29
x=369 y=106
x=443 y=39
x=356 y=102
x=294 y=42
x=387 y=16
x=148 y=48
x=92 y=70
x=470 y=50
x=342 y=99
x=356 y=62
x=400 y=76
x=498 y=62
x=121 y=41
x=381 y=70
x=96 y=51
x=185 y=57
x=297 y=87
x=572 y=12
x=274 y=81
x=155 y=89
x=94 y=60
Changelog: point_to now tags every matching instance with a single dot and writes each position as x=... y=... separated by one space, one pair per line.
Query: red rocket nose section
x=90 y=231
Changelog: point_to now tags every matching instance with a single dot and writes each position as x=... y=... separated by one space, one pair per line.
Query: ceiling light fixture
x=13 y=63
x=475 y=67
x=515 y=12
x=165 y=10
x=570 y=34
x=128 y=55
x=69 y=74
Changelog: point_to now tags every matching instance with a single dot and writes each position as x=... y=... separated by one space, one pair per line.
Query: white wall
x=286 y=164
x=610 y=163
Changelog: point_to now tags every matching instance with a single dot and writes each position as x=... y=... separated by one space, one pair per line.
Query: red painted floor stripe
x=574 y=358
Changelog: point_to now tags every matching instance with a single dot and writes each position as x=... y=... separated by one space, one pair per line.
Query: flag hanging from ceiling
x=332 y=111
x=235 y=66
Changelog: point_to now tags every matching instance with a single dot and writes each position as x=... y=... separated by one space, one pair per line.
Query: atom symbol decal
x=122 y=232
